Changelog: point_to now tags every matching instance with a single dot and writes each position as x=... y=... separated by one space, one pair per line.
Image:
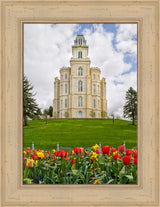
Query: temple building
x=80 y=93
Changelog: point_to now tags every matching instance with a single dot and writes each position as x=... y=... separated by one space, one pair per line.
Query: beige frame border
x=13 y=15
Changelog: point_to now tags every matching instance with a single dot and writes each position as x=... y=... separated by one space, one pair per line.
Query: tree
x=50 y=111
x=130 y=107
x=39 y=112
x=46 y=113
x=30 y=107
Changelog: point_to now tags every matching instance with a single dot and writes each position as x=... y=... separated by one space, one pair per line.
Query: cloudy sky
x=112 y=48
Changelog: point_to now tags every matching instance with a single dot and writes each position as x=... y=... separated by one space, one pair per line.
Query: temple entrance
x=80 y=114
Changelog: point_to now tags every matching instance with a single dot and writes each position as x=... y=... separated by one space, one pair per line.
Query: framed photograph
x=81 y=129
x=57 y=57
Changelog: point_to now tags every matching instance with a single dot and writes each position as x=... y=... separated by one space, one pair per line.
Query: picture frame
x=13 y=14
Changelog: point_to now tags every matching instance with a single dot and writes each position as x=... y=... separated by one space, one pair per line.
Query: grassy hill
x=79 y=132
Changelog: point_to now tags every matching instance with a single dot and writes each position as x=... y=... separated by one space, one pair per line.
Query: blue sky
x=112 y=48
x=112 y=28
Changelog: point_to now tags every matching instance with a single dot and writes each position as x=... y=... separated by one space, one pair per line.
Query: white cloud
x=47 y=48
x=126 y=38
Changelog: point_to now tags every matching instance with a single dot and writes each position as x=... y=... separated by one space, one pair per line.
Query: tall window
x=94 y=88
x=94 y=76
x=66 y=88
x=80 y=71
x=80 y=101
x=80 y=54
x=80 y=114
x=80 y=41
x=94 y=103
x=66 y=103
x=80 y=86
x=66 y=76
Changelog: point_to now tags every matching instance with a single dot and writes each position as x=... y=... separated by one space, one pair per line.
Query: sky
x=112 y=48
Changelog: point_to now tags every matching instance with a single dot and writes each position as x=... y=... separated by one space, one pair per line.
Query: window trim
x=80 y=71
x=80 y=101
x=66 y=88
x=80 y=86
x=79 y=54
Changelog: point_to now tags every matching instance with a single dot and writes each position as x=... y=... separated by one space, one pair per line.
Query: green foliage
x=30 y=107
x=102 y=170
x=50 y=111
x=46 y=112
x=130 y=107
x=79 y=132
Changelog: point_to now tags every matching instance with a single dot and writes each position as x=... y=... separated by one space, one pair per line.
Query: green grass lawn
x=79 y=132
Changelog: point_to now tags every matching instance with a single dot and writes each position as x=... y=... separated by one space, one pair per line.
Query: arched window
x=80 y=54
x=66 y=76
x=80 y=101
x=94 y=76
x=66 y=88
x=94 y=103
x=80 y=71
x=80 y=41
x=66 y=103
x=80 y=86
x=94 y=88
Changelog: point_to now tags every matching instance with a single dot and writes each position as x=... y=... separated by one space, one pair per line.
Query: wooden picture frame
x=13 y=14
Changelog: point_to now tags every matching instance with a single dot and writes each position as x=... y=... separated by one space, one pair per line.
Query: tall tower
x=80 y=76
x=79 y=93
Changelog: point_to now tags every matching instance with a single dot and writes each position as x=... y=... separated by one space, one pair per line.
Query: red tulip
x=117 y=156
x=135 y=160
x=28 y=151
x=98 y=150
x=106 y=149
x=62 y=153
x=135 y=155
x=113 y=149
x=128 y=152
x=24 y=160
x=126 y=160
x=78 y=150
x=73 y=160
x=121 y=148
x=134 y=150
x=92 y=160
x=56 y=153
x=35 y=157
x=92 y=176
x=67 y=158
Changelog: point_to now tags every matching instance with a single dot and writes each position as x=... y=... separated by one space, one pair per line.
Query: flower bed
x=111 y=166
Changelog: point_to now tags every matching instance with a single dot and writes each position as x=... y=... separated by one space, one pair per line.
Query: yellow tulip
x=96 y=182
x=40 y=154
x=30 y=162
